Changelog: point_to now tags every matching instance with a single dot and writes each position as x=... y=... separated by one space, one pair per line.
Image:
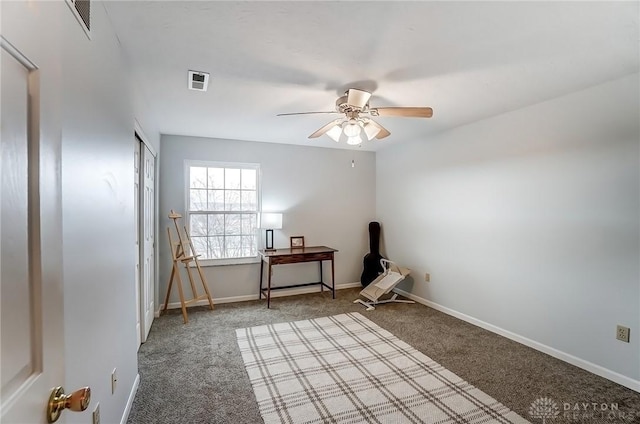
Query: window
x=223 y=204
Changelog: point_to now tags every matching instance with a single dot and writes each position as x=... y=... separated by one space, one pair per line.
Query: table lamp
x=270 y=222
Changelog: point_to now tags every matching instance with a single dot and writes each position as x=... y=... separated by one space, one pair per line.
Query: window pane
x=200 y=247
x=232 y=200
x=232 y=224
x=198 y=200
x=216 y=178
x=233 y=246
x=249 y=224
x=197 y=177
x=216 y=247
x=216 y=225
x=216 y=200
x=231 y=178
x=249 y=201
x=249 y=179
x=198 y=225
x=248 y=246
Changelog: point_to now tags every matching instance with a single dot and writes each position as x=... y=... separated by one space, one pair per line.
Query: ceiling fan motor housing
x=343 y=107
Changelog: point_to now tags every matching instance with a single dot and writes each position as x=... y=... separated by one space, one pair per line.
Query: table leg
x=261 y=272
x=321 y=279
x=269 y=286
x=333 y=278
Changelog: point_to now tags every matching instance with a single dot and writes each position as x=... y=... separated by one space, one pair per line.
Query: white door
x=148 y=242
x=31 y=292
x=138 y=251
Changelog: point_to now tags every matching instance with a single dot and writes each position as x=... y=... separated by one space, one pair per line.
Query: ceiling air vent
x=198 y=80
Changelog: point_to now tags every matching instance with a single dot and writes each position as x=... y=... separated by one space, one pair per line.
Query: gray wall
x=528 y=222
x=320 y=195
x=98 y=215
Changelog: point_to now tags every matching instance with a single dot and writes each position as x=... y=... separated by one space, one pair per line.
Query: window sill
x=225 y=262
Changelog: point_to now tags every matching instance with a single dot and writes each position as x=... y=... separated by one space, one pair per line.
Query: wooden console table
x=294 y=256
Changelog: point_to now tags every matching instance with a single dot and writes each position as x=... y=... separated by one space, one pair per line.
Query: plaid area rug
x=345 y=369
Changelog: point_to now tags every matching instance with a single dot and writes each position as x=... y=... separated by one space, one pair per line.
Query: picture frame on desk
x=296 y=242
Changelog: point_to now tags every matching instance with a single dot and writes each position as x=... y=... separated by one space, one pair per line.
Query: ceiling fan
x=357 y=125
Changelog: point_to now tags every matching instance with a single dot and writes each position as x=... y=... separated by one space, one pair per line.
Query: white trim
x=137 y=129
x=563 y=356
x=132 y=396
x=227 y=261
x=248 y=297
x=221 y=164
x=16 y=54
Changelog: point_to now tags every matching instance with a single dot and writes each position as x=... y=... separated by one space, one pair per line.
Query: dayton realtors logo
x=547 y=409
x=544 y=409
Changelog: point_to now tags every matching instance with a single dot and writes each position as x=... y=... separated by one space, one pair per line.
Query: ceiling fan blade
x=358 y=98
x=303 y=113
x=383 y=132
x=410 y=112
x=373 y=129
x=324 y=129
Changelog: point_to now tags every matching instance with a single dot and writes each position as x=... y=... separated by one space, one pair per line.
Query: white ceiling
x=466 y=60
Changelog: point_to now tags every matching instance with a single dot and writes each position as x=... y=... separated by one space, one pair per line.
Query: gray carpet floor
x=193 y=373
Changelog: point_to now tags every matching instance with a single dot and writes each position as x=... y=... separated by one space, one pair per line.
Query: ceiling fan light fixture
x=354 y=141
x=335 y=133
x=371 y=130
x=351 y=128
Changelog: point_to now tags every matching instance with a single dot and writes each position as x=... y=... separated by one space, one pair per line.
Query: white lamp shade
x=354 y=141
x=335 y=133
x=371 y=130
x=271 y=221
x=351 y=128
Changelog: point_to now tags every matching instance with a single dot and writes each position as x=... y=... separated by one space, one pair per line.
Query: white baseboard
x=132 y=396
x=245 y=298
x=573 y=360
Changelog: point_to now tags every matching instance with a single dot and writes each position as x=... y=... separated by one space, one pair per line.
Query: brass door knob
x=58 y=402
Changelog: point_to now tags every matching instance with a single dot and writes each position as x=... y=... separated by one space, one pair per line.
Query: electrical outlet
x=427 y=277
x=114 y=380
x=622 y=333
x=96 y=414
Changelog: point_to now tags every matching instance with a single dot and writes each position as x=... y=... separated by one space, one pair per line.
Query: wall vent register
x=82 y=10
x=198 y=81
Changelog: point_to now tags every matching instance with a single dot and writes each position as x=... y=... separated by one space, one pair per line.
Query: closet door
x=148 y=240
x=138 y=249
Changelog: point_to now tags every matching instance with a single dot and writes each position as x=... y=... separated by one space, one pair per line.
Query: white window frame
x=215 y=164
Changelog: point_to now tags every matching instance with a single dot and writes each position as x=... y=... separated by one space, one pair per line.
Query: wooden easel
x=180 y=253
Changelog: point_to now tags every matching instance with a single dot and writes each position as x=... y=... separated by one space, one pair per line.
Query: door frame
x=139 y=135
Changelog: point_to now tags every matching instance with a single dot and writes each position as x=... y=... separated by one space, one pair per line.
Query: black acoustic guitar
x=371 y=262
